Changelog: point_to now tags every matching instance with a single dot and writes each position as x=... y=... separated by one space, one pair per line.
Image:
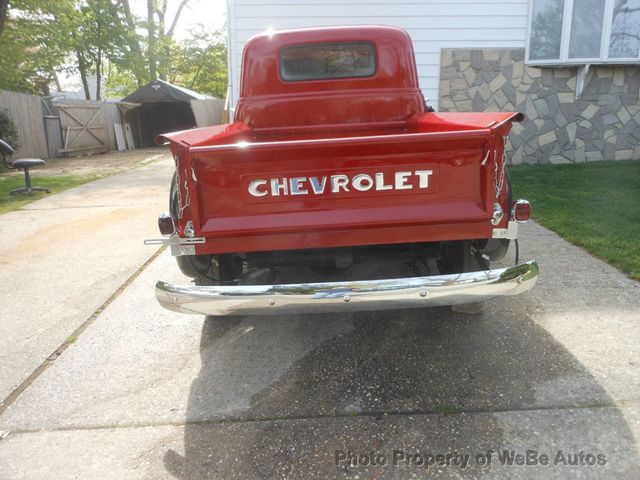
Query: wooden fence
x=26 y=113
x=87 y=125
x=207 y=112
x=49 y=128
x=52 y=130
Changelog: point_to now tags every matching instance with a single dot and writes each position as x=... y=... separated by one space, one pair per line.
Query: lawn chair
x=25 y=164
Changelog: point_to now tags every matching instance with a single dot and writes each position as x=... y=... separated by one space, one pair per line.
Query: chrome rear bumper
x=349 y=296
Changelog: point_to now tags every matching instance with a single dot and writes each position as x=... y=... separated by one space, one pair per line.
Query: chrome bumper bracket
x=174 y=240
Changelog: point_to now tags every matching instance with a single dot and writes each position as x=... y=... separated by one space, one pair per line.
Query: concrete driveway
x=63 y=256
x=146 y=393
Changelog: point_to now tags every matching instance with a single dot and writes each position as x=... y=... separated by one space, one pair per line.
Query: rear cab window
x=327 y=61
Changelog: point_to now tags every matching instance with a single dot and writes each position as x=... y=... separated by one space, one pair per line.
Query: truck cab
x=336 y=188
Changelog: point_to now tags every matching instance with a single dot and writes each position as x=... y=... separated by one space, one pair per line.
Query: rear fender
x=194 y=266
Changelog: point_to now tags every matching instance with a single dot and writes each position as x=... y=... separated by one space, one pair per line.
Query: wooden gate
x=82 y=128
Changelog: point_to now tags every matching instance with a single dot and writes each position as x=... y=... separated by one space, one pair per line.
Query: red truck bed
x=444 y=191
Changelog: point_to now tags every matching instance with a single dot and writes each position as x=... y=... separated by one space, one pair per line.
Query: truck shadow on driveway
x=414 y=381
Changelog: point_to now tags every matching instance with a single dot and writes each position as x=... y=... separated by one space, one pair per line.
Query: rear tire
x=463 y=258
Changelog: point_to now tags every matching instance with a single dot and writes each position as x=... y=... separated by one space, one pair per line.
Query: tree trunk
x=151 y=54
x=82 y=66
x=163 y=50
x=56 y=80
x=183 y=4
x=168 y=34
x=99 y=62
x=202 y=60
x=44 y=88
x=4 y=7
x=132 y=40
x=99 y=75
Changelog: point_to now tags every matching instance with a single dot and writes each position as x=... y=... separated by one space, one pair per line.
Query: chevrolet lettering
x=337 y=188
x=319 y=185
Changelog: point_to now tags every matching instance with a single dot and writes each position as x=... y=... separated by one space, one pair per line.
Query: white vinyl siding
x=432 y=24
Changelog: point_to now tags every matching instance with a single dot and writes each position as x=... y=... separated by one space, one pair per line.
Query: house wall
x=432 y=24
x=603 y=124
x=470 y=57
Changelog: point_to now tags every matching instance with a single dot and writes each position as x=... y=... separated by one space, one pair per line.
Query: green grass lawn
x=594 y=205
x=55 y=184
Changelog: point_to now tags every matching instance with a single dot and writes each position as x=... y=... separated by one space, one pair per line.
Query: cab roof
x=395 y=59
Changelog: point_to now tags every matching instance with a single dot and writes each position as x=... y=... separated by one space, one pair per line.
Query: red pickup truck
x=337 y=188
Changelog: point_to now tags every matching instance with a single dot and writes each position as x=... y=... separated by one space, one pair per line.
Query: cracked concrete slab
x=137 y=362
x=261 y=397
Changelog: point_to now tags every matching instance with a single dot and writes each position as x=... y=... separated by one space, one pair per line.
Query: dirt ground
x=99 y=164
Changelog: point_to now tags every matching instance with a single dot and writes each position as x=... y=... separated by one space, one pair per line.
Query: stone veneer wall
x=604 y=124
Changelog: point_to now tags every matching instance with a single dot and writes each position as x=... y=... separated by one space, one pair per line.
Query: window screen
x=546 y=29
x=625 y=30
x=327 y=61
x=586 y=29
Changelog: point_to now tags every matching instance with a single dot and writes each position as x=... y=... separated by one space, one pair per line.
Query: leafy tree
x=160 y=41
x=120 y=81
x=201 y=64
x=88 y=37
x=96 y=36
x=133 y=58
x=32 y=45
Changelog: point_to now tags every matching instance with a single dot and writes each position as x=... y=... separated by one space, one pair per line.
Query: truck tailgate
x=349 y=191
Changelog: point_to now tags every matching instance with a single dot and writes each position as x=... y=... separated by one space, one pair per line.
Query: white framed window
x=579 y=32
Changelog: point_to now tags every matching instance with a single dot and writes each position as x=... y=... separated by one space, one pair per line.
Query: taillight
x=167 y=224
x=521 y=211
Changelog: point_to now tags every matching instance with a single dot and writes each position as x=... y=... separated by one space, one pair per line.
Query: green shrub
x=8 y=131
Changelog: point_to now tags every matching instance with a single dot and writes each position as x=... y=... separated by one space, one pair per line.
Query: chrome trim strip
x=337 y=141
x=348 y=296
x=179 y=250
x=174 y=240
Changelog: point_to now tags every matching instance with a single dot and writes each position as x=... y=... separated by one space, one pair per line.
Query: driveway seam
x=76 y=207
x=377 y=414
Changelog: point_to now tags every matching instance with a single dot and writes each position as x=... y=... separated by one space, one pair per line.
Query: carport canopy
x=162 y=107
x=161 y=91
